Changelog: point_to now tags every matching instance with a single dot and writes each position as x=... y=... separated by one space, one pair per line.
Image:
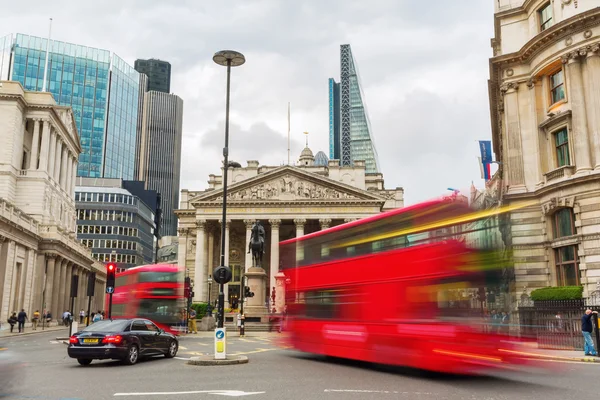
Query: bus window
x=331 y=304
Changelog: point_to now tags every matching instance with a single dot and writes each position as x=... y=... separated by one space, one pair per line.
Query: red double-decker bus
x=155 y=292
x=403 y=288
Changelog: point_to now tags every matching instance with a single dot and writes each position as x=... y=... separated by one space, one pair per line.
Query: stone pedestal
x=279 y=292
x=257 y=280
x=207 y=323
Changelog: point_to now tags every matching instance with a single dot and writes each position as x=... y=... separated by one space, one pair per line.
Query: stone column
x=69 y=177
x=48 y=295
x=52 y=153
x=63 y=168
x=62 y=287
x=299 y=222
x=35 y=145
x=512 y=136
x=39 y=281
x=73 y=161
x=325 y=224
x=199 y=266
x=56 y=289
x=579 y=127
x=57 y=160
x=211 y=249
x=6 y=295
x=182 y=247
x=531 y=142
x=248 y=255
x=274 y=264
x=67 y=286
x=593 y=99
x=45 y=149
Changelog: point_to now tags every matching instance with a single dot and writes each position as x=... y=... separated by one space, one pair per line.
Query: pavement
x=42 y=370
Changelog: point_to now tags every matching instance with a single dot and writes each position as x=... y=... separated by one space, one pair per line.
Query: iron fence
x=556 y=324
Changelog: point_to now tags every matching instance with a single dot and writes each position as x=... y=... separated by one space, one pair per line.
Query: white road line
x=230 y=393
x=374 y=391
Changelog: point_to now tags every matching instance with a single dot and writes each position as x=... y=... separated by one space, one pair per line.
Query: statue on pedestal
x=257 y=243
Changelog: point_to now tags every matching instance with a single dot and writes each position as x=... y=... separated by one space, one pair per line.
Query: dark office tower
x=348 y=117
x=140 y=122
x=159 y=74
x=160 y=153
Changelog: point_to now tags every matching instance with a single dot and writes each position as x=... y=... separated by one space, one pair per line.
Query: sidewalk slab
x=558 y=355
x=7 y=333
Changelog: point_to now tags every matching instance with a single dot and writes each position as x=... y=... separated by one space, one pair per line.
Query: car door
x=139 y=330
x=160 y=343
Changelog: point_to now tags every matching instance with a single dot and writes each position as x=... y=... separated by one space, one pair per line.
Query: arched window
x=567 y=262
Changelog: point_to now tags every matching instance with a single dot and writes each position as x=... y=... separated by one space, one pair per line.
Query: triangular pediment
x=68 y=120
x=288 y=183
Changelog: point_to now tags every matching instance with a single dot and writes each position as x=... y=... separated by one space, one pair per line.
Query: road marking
x=181 y=358
x=374 y=391
x=55 y=342
x=183 y=348
x=251 y=352
x=230 y=393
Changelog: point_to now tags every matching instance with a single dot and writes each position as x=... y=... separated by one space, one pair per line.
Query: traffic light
x=111 y=270
x=187 y=288
x=247 y=292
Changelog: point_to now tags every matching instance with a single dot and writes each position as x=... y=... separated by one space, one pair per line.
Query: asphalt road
x=47 y=373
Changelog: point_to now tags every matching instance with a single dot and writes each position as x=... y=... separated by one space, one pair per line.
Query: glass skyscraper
x=101 y=88
x=350 y=134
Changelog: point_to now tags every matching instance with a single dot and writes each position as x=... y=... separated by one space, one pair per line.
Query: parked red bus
x=155 y=292
x=400 y=288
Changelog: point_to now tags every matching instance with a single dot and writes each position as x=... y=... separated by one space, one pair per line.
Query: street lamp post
x=228 y=58
x=209 y=306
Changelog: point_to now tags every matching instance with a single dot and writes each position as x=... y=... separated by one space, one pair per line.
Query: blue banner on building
x=485 y=146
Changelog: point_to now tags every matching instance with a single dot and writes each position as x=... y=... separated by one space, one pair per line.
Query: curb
x=27 y=333
x=209 y=360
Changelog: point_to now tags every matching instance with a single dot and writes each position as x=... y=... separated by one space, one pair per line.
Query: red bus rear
x=400 y=288
x=155 y=292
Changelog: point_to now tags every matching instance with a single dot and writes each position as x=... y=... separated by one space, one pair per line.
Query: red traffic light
x=111 y=267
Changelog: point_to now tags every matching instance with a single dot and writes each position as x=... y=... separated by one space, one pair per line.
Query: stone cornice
x=232 y=204
x=551 y=187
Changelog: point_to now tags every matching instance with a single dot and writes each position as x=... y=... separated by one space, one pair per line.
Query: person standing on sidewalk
x=192 y=321
x=35 y=319
x=587 y=328
x=21 y=318
x=12 y=320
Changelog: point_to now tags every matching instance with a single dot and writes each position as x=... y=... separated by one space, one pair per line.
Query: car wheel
x=173 y=347
x=132 y=355
x=84 y=361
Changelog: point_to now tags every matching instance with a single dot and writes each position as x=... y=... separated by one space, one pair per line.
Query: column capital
x=532 y=81
x=182 y=231
x=346 y=220
x=300 y=222
x=227 y=222
x=593 y=50
x=325 y=223
x=249 y=223
x=51 y=256
x=572 y=57
x=509 y=87
x=275 y=223
x=201 y=224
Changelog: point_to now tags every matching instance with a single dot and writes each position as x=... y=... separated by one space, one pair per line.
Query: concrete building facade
x=544 y=99
x=38 y=163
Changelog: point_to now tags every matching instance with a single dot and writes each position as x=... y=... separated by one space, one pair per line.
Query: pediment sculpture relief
x=285 y=188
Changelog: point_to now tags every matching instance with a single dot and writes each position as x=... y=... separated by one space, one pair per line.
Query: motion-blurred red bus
x=403 y=288
x=155 y=292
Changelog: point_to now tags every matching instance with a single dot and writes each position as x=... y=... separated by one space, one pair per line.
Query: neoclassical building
x=38 y=249
x=288 y=200
x=545 y=108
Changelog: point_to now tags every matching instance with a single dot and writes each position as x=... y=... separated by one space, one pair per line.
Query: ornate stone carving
x=182 y=231
x=531 y=82
x=587 y=34
x=201 y=224
x=510 y=72
x=192 y=247
x=505 y=87
x=346 y=220
x=287 y=186
x=325 y=223
x=593 y=49
x=569 y=41
x=275 y=223
x=300 y=222
x=249 y=223
x=227 y=223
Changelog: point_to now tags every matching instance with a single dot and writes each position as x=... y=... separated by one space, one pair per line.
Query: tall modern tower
x=159 y=74
x=160 y=153
x=350 y=134
x=101 y=88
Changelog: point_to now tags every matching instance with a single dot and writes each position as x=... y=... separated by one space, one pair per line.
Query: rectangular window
x=567 y=266
x=545 y=15
x=557 y=86
x=561 y=141
x=564 y=224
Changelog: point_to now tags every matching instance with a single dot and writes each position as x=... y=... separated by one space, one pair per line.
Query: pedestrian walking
x=35 y=319
x=21 y=318
x=12 y=320
x=66 y=317
x=81 y=316
x=587 y=329
x=192 y=321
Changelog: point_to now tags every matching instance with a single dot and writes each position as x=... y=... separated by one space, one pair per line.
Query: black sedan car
x=121 y=339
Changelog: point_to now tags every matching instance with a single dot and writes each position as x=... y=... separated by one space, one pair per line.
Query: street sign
x=110 y=289
x=220 y=344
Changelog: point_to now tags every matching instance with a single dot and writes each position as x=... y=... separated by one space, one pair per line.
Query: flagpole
x=288 y=133
x=44 y=86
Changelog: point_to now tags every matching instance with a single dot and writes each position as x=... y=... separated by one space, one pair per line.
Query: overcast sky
x=423 y=66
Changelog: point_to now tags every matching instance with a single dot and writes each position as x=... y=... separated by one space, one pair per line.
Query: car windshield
x=107 y=326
